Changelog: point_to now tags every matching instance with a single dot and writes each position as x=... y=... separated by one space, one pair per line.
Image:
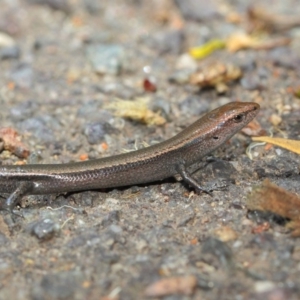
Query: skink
x=150 y=164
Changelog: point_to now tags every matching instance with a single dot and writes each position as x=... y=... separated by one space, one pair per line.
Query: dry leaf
x=216 y=75
x=173 y=285
x=272 y=198
x=291 y=145
x=137 y=110
x=241 y=40
x=262 y=19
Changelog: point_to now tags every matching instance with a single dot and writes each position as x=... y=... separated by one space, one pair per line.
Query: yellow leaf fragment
x=137 y=110
x=206 y=49
x=291 y=145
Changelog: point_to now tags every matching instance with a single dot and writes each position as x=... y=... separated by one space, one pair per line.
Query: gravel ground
x=63 y=66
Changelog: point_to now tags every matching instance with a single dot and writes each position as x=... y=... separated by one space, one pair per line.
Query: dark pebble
x=62 y=5
x=1 y=146
x=197 y=10
x=10 y=52
x=221 y=169
x=168 y=42
x=40 y=43
x=56 y=148
x=95 y=132
x=44 y=229
x=73 y=146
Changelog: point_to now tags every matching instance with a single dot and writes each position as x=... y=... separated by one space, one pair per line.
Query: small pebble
x=95 y=132
x=58 y=285
x=12 y=52
x=226 y=233
x=93 y=7
x=3 y=239
x=40 y=127
x=198 y=10
x=106 y=58
x=115 y=229
x=160 y=104
x=218 y=249
x=112 y=217
x=6 y=40
x=168 y=41
x=194 y=105
x=246 y=62
x=117 y=89
x=91 y=111
x=24 y=110
x=62 y=5
x=185 y=61
x=275 y=119
x=181 y=76
x=263 y=72
x=73 y=146
x=45 y=229
x=251 y=82
x=264 y=286
x=22 y=75
x=285 y=57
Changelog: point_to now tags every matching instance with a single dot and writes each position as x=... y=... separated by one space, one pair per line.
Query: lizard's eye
x=238 y=118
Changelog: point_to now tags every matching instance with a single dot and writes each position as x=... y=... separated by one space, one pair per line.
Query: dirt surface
x=62 y=65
